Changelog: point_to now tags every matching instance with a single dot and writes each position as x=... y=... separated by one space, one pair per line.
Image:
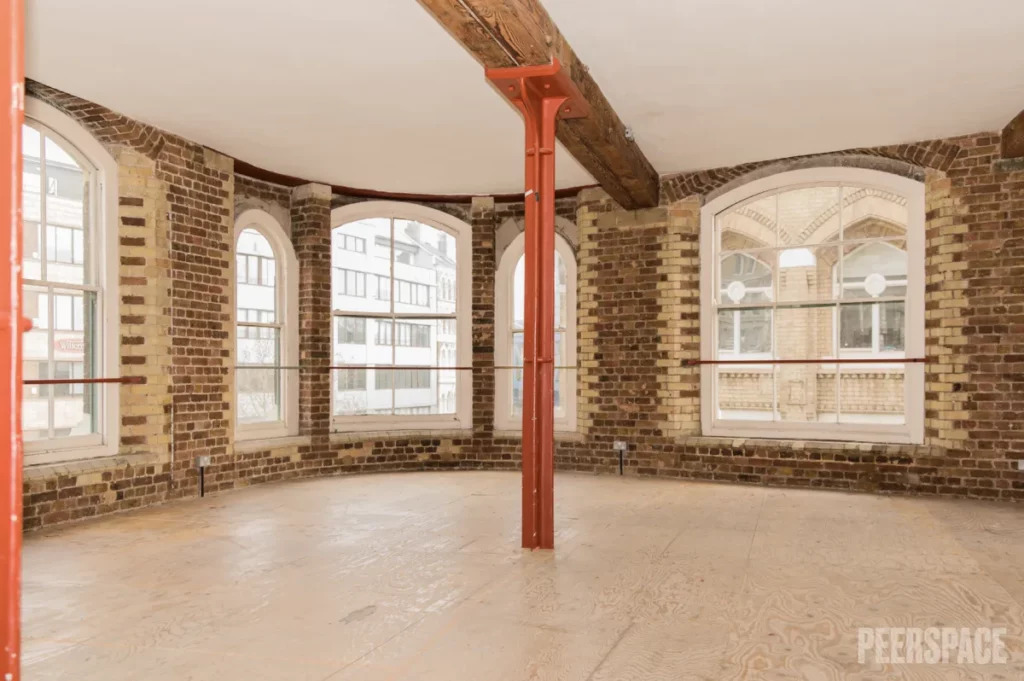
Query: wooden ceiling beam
x=502 y=33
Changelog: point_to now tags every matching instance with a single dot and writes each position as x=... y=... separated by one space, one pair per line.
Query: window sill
x=411 y=434
x=560 y=436
x=38 y=471
x=43 y=454
x=264 y=443
x=789 y=441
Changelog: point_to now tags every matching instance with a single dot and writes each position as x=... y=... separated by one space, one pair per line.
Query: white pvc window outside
x=824 y=265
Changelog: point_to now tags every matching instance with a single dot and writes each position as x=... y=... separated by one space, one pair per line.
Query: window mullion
x=876 y=320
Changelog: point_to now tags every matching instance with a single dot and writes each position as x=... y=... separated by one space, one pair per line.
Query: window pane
x=424 y=257
x=744 y=392
x=869 y=213
x=517 y=374
x=892 y=321
x=360 y=277
x=259 y=395
x=749 y=225
x=855 y=326
x=755 y=331
x=727 y=330
x=35 y=405
x=256 y=291
x=804 y=213
x=519 y=294
x=560 y=374
x=872 y=394
x=875 y=269
x=65 y=213
x=744 y=279
x=259 y=389
x=807 y=274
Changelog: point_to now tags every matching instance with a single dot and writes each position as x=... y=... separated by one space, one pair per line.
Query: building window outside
x=413 y=320
x=805 y=276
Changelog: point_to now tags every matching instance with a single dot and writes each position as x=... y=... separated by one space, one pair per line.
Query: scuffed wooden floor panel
x=420 y=576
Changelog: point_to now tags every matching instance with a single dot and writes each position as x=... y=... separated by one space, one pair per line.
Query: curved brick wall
x=637 y=322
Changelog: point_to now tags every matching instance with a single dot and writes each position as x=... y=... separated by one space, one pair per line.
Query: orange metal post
x=11 y=327
x=542 y=94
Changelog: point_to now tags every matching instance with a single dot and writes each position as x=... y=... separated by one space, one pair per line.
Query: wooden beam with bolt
x=506 y=33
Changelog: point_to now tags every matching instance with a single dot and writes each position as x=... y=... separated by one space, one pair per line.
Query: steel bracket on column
x=543 y=94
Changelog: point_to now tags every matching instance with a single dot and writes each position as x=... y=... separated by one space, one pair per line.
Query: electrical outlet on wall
x=202 y=461
x=620 y=446
x=1020 y=464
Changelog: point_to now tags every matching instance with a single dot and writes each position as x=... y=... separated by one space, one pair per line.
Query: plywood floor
x=419 y=576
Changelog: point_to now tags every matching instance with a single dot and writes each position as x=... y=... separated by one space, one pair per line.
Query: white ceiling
x=376 y=95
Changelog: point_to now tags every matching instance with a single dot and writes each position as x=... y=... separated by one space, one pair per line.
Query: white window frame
x=286 y=279
x=912 y=432
x=462 y=233
x=504 y=310
x=103 y=251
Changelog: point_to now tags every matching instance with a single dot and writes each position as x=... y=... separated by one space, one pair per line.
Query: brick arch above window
x=903 y=160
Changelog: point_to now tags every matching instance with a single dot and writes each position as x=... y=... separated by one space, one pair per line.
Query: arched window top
x=400 y=301
x=510 y=311
x=803 y=270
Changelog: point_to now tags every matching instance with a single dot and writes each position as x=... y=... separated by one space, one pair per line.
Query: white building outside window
x=401 y=318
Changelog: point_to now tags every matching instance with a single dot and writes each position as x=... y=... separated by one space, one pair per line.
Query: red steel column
x=11 y=327
x=542 y=94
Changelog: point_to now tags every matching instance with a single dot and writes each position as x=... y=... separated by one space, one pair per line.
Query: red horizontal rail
x=911 y=360
x=125 y=380
x=425 y=366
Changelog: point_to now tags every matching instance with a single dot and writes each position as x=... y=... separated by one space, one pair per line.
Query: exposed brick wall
x=200 y=194
x=638 y=322
x=937 y=154
x=974 y=333
x=311 y=237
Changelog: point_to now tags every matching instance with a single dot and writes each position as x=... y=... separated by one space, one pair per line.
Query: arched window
x=509 y=315
x=812 y=297
x=69 y=260
x=266 y=316
x=400 y=300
